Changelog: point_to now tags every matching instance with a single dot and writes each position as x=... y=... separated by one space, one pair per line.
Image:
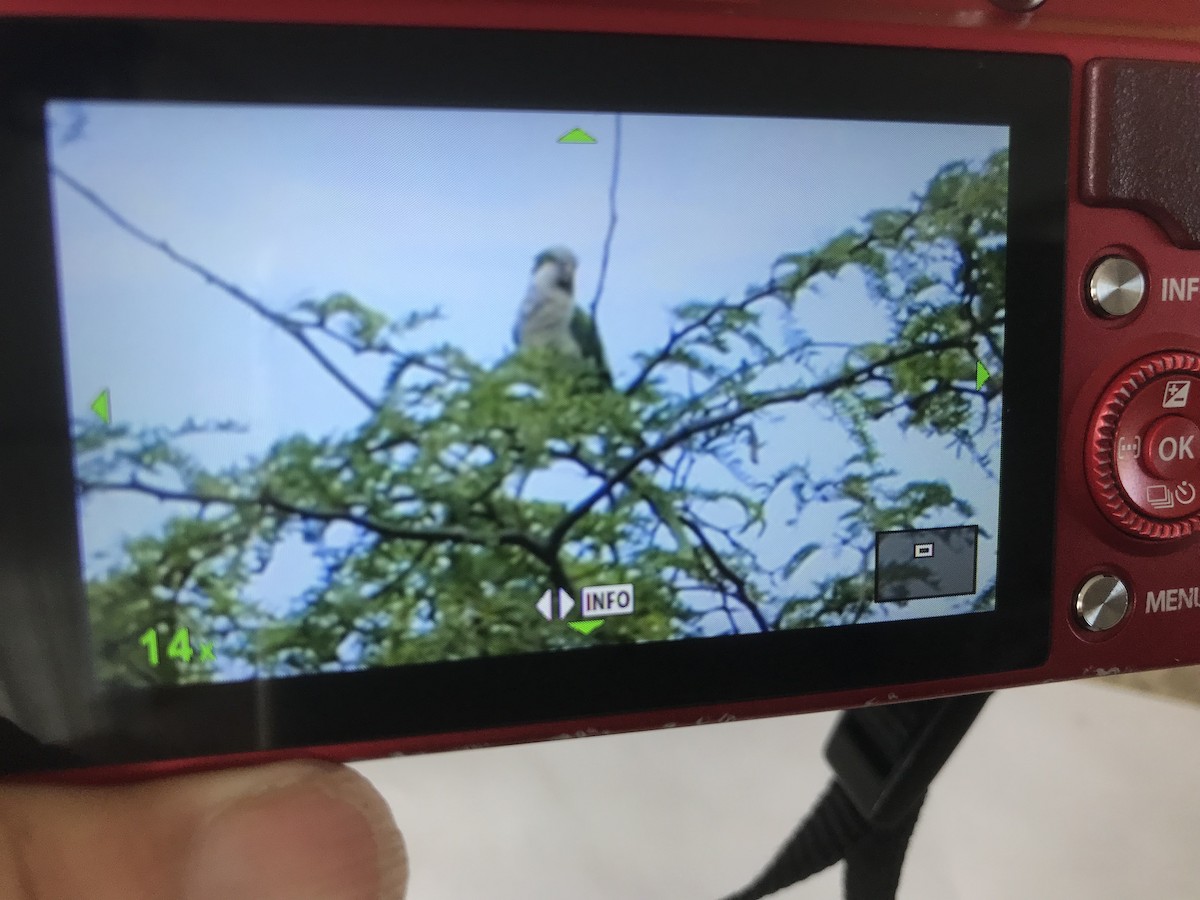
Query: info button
x=1172 y=448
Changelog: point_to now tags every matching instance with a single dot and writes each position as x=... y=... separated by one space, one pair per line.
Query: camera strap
x=883 y=758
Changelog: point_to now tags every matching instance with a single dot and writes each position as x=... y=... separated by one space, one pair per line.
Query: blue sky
x=409 y=209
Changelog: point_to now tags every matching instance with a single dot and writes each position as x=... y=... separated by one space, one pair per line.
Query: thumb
x=291 y=830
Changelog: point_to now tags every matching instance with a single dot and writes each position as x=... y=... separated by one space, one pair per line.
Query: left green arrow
x=102 y=406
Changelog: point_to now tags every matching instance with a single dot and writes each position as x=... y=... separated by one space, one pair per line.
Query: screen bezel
x=308 y=64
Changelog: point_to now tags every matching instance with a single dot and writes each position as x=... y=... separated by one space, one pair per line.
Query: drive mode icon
x=602 y=600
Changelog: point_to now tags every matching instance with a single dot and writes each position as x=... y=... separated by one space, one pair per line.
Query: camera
x=428 y=379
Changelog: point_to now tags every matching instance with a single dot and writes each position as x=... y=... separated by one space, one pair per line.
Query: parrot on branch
x=549 y=317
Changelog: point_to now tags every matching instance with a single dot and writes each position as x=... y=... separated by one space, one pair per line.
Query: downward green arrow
x=586 y=627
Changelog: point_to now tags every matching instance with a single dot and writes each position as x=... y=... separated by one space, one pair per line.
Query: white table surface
x=1060 y=791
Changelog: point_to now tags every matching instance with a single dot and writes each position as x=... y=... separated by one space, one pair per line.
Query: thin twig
x=816 y=267
x=613 y=183
x=288 y=326
x=749 y=407
x=741 y=589
x=448 y=535
x=677 y=337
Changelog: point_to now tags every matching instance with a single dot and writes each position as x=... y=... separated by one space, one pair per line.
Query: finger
x=292 y=830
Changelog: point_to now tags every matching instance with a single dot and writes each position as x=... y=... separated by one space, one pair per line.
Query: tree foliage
x=465 y=491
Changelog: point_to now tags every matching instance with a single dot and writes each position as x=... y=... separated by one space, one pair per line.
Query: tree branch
x=383 y=529
x=612 y=218
x=760 y=402
x=815 y=268
x=290 y=327
x=677 y=337
x=740 y=588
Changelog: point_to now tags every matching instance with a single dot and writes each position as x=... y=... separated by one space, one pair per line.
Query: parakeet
x=549 y=317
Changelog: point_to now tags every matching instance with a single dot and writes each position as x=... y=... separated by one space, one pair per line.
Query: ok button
x=1172 y=448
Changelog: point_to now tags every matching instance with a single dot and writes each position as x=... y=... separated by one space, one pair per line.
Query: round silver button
x=1117 y=286
x=1102 y=602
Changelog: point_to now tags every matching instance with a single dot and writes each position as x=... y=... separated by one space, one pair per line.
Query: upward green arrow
x=981 y=375
x=577 y=136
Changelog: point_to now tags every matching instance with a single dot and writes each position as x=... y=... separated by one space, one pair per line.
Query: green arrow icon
x=586 y=627
x=577 y=136
x=102 y=407
x=981 y=375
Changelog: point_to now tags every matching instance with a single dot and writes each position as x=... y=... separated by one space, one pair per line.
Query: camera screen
x=356 y=387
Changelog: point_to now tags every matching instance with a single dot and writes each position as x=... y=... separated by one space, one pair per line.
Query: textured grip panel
x=1141 y=142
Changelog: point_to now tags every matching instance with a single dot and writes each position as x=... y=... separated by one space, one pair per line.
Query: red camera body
x=1125 y=589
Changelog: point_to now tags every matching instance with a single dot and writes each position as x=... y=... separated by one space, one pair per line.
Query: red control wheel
x=1143 y=449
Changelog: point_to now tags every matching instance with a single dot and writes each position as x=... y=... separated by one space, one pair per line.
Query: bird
x=549 y=317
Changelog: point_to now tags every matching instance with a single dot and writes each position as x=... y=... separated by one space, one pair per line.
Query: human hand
x=287 y=831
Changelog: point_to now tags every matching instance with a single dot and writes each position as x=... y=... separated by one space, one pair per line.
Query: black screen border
x=310 y=64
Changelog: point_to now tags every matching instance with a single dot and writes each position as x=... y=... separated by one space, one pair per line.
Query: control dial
x=1143 y=447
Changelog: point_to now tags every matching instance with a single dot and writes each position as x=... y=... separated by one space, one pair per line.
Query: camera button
x=1172 y=448
x=1148 y=422
x=1101 y=602
x=1116 y=286
x=1157 y=444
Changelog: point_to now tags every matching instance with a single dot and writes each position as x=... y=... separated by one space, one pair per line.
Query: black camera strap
x=884 y=759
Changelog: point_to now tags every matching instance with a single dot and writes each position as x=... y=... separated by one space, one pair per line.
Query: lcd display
x=357 y=387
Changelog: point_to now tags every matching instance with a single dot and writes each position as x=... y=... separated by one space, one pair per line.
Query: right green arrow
x=981 y=375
